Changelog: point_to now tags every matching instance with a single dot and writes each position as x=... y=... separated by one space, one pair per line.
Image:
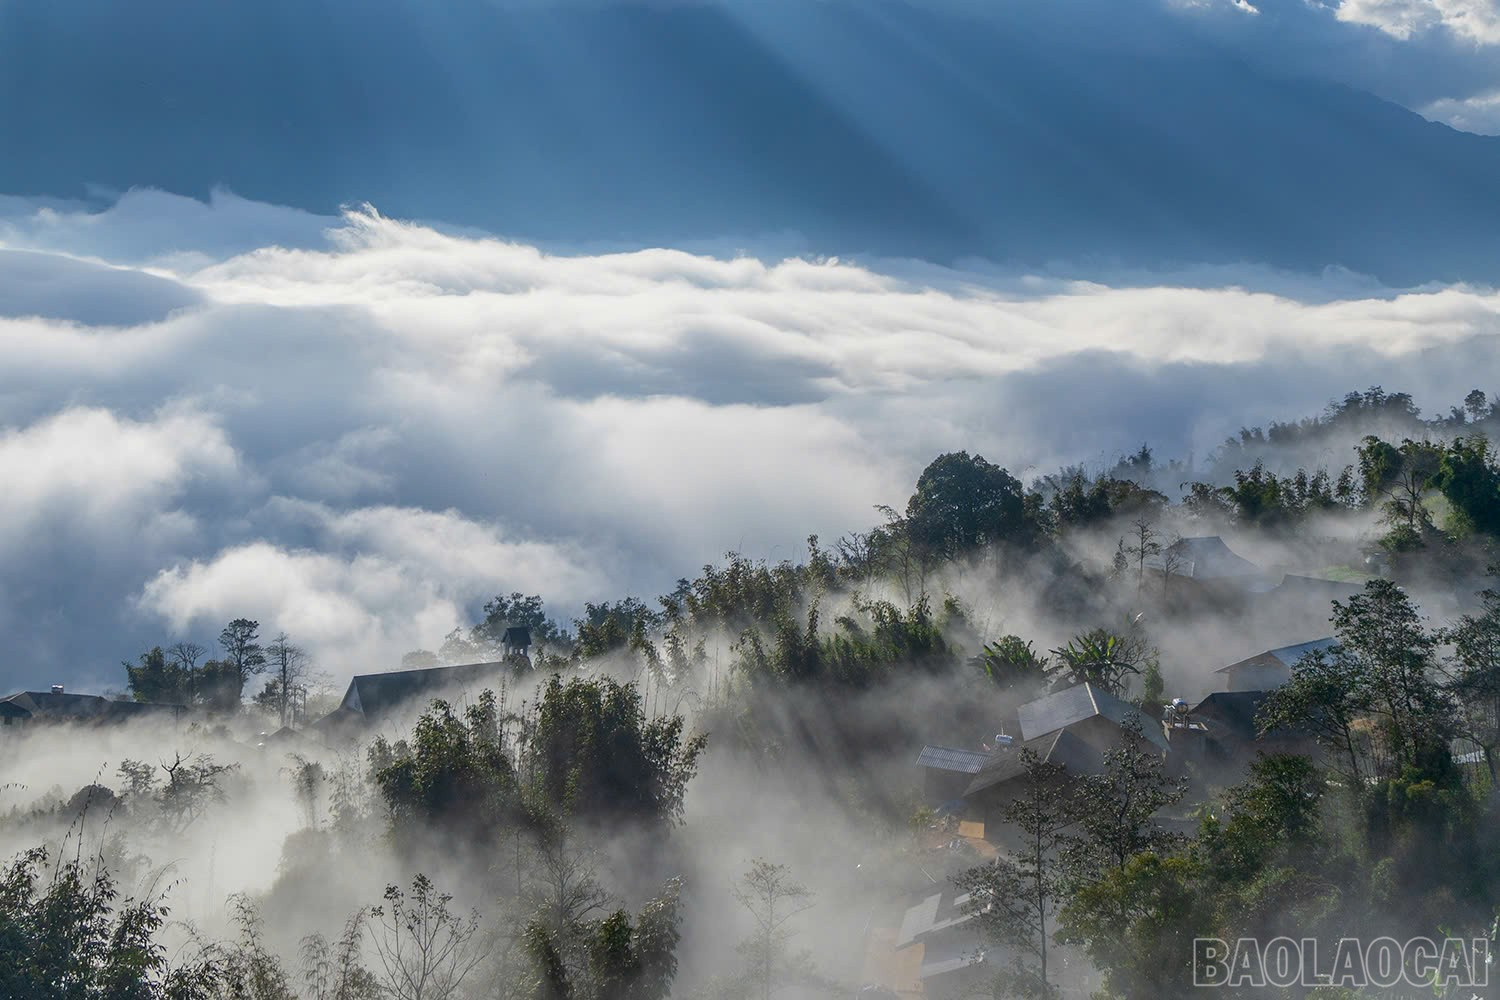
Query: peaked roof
x=1287 y=656
x=1074 y=705
x=372 y=695
x=81 y=707
x=1207 y=558
x=1061 y=747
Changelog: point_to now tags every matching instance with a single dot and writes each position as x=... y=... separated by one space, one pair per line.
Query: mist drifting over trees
x=716 y=793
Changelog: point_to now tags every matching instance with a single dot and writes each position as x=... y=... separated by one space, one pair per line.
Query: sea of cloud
x=357 y=429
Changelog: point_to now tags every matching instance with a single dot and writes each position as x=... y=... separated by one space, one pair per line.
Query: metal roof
x=950 y=759
x=1285 y=655
x=1074 y=705
x=1061 y=747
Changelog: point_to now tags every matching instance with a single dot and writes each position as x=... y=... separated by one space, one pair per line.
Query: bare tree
x=1171 y=562
x=425 y=949
x=1144 y=546
x=289 y=666
x=773 y=898
x=186 y=656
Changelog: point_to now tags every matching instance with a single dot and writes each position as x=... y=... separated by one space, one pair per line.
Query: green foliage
x=153 y=679
x=1125 y=801
x=71 y=937
x=456 y=772
x=1103 y=658
x=963 y=503
x=1011 y=663
x=1470 y=481
x=606 y=628
x=614 y=957
x=1263 y=499
x=594 y=755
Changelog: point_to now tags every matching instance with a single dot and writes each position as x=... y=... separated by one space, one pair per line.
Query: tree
x=185 y=656
x=963 y=503
x=1477 y=405
x=243 y=654
x=1103 y=658
x=772 y=897
x=591 y=753
x=1402 y=475
x=1326 y=696
x=70 y=937
x=426 y=951
x=1143 y=547
x=289 y=664
x=1394 y=652
x=333 y=971
x=1473 y=675
x=1013 y=898
x=456 y=773
x=1470 y=482
x=1012 y=663
x=154 y=679
x=1124 y=803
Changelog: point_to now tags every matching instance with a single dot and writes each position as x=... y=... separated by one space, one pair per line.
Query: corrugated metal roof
x=1291 y=654
x=1287 y=656
x=951 y=759
x=1083 y=701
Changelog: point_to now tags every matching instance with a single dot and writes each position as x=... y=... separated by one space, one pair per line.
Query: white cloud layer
x=360 y=435
x=1476 y=21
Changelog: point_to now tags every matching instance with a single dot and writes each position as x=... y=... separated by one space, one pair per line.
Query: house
x=999 y=781
x=56 y=707
x=1231 y=734
x=1272 y=668
x=1207 y=561
x=938 y=938
x=372 y=698
x=1089 y=713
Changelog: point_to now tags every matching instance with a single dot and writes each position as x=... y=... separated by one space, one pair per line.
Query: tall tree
x=154 y=679
x=772 y=897
x=963 y=502
x=1125 y=802
x=1014 y=897
x=242 y=652
x=1143 y=546
x=289 y=665
x=1474 y=675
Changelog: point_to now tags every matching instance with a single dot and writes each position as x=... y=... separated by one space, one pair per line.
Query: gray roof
x=1074 y=705
x=1206 y=558
x=937 y=912
x=1287 y=656
x=372 y=695
x=46 y=705
x=950 y=759
x=1315 y=587
x=1060 y=747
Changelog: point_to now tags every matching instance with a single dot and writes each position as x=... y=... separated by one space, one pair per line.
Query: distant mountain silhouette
x=1031 y=136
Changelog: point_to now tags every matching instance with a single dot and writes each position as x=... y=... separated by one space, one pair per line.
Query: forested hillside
x=715 y=793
